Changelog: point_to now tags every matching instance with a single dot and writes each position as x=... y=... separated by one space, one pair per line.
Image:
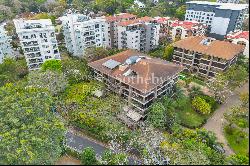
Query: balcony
x=218 y=65
x=205 y=61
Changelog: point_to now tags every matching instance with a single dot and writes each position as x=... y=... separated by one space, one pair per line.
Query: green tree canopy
x=54 y=65
x=12 y=70
x=201 y=105
x=29 y=132
x=88 y=157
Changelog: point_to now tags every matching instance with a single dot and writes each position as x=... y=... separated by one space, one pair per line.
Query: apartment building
x=164 y=23
x=221 y=18
x=228 y=1
x=38 y=41
x=240 y=37
x=111 y=28
x=81 y=32
x=206 y=56
x=138 y=78
x=183 y=29
x=141 y=34
x=5 y=46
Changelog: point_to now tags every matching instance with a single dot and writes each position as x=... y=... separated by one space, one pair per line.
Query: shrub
x=211 y=101
x=88 y=157
x=201 y=105
x=54 y=65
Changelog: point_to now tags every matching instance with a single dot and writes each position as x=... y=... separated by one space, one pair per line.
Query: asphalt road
x=78 y=143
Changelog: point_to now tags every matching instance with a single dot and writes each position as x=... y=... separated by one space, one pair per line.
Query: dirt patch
x=68 y=160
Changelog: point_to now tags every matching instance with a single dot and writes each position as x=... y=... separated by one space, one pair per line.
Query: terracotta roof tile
x=145 y=69
x=138 y=20
x=220 y=49
x=238 y=35
x=120 y=17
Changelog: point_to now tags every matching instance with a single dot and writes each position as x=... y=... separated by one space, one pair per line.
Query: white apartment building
x=184 y=29
x=5 y=46
x=221 y=18
x=38 y=41
x=228 y=1
x=111 y=28
x=81 y=32
x=141 y=34
x=242 y=38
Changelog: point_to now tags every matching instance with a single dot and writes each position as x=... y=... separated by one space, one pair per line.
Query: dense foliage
x=88 y=157
x=12 y=70
x=201 y=105
x=29 y=132
x=53 y=65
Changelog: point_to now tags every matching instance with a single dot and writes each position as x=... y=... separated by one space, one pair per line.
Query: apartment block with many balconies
x=5 y=46
x=38 y=41
x=81 y=32
x=183 y=29
x=138 y=78
x=141 y=34
x=206 y=56
x=111 y=27
x=221 y=18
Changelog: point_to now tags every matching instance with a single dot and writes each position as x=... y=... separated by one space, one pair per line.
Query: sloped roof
x=220 y=49
x=138 y=20
x=120 y=17
x=146 y=69
x=239 y=35
x=186 y=24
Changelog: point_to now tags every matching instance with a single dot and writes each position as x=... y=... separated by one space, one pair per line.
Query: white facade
x=140 y=36
x=38 y=41
x=81 y=32
x=139 y=4
x=228 y=1
x=184 y=29
x=5 y=46
x=221 y=18
x=111 y=28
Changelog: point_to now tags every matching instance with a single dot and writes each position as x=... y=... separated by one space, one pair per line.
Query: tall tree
x=29 y=132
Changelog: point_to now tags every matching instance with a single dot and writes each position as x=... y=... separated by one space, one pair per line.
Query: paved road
x=80 y=142
x=215 y=123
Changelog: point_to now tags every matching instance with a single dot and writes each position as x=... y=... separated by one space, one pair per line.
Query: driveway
x=215 y=123
x=78 y=143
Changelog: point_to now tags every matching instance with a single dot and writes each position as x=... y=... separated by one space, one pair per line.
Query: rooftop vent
x=129 y=73
x=133 y=59
x=207 y=41
x=111 y=64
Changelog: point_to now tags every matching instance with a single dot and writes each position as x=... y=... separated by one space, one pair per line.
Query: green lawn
x=190 y=118
x=237 y=140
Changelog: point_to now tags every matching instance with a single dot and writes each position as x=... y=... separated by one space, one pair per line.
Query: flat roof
x=231 y=6
x=146 y=68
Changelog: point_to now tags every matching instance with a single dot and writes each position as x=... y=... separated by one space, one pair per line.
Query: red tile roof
x=220 y=49
x=138 y=20
x=186 y=24
x=146 y=69
x=238 y=35
x=120 y=17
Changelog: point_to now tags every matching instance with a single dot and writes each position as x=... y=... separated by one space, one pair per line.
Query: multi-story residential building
x=5 y=46
x=38 y=41
x=111 y=28
x=228 y=1
x=165 y=23
x=221 y=18
x=206 y=56
x=242 y=38
x=141 y=34
x=183 y=29
x=139 y=4
x=138 y=78
x=81 y=32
